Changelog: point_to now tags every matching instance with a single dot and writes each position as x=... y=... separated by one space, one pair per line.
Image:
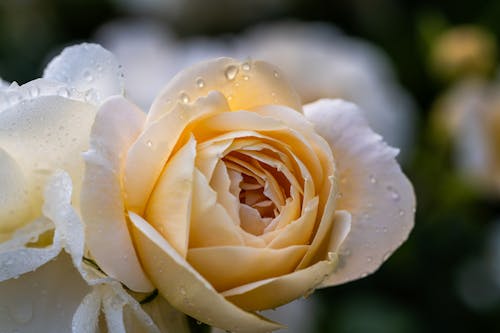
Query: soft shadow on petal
x=374 y=189
x=117 y=125
x=186 y=289
x=87 y=66
x=244 y=84
x=44 y=300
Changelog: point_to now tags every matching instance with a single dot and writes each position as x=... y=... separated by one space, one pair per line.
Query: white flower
x=44 y=128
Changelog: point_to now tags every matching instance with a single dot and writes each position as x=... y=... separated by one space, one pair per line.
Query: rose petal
x=87 y=66
x=166 y=317
x=86 y=317
x=15 y=208
x=156 y=144
x=227 y=267
x=116 y=126
x=375 y=191
x=245 y=85
x=169 y=207
x=186 y=289
x=43 y=300
x=45 y=134
x=277 y=291
x=210 y=222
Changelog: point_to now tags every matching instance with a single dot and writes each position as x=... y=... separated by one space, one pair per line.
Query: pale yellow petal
x=210 y=223
x=186 y=289
x=155 y=145
x=245 y=85
x=169 y=207
x=227 y=267
x=271 y=293
x=117 y=125
x=373 y=189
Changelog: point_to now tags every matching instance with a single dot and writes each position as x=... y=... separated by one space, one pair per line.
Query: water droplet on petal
x=276 y=74
x=231 y=72
x=63 y=92
x=200 y=83
x=373 y=180
x=245 y=66
x=184 y=98
x=369 y=259
x=34 y=91
x=393 y=193
x=149 y=143
x=88 y=75
x=246 y=77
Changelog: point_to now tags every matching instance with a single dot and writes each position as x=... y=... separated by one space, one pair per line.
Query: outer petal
x=245 y=85
x=372 y=188
x=87 y=66
x=185 y=289
x=3 y=84
x=45 y=134
x=43 y=300
x=117 y=124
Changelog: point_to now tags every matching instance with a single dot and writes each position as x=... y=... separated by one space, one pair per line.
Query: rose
x=44 y=128
x=237 y=200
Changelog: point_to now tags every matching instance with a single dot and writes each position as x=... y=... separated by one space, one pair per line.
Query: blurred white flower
x=320 y=61
x=469 y=112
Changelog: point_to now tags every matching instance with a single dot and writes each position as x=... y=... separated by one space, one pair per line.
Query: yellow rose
x=235 y=198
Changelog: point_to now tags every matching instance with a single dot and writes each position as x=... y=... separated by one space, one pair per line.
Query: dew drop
x=369 y=259
x=394 y=194
x=182 y=291
x=149 y=143
x=184 y=98
x=245 y=66
x=88 y=76
x=373 y=180
x=200 y=83
x=401 y=212
x=276 y=74
x=231 y=72
x=63 y=92
x=34 y=91
x=246 y=77
x=99 y=68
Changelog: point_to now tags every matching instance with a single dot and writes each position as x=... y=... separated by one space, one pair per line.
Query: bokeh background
x=446 y=277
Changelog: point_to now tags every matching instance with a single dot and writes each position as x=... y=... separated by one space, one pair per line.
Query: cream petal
x=245 y=85
x=210 y=222
x=45 y=134
x=85 y=319
x=117 y=124
x=169 y=207
x=208 y=156
x=221 y=183
x=15 y=208
x=227 y=267
x=375 y=191
x=274 y=292
x=87 y=66
x=43 y=300
x=156 y=144
x=300 y=231
x=186 y=289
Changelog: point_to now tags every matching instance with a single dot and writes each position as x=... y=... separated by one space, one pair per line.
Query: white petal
x=87 y=66
x=372 y=186
x=43 y=300
x=86 y=317
x=117 y=125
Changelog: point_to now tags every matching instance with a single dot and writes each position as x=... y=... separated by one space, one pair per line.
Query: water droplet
x=182 y=291
x=149 y=143
x=369 y=259
x=394 y=194
x=63 y=92
x=198 y=322
x=373 y=180
x=88 y=75
x=245 y=66
x=99 y=67
x=200 y=83
x=276 y=74
x=231 y=72
x=22 y=312
x=401 y=212
x=184 y=98
x=34 y=91
x=386 y=255
x=90 y=95
x=246 y=77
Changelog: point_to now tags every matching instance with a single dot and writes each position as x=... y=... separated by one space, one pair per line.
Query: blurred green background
x=441 y=279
